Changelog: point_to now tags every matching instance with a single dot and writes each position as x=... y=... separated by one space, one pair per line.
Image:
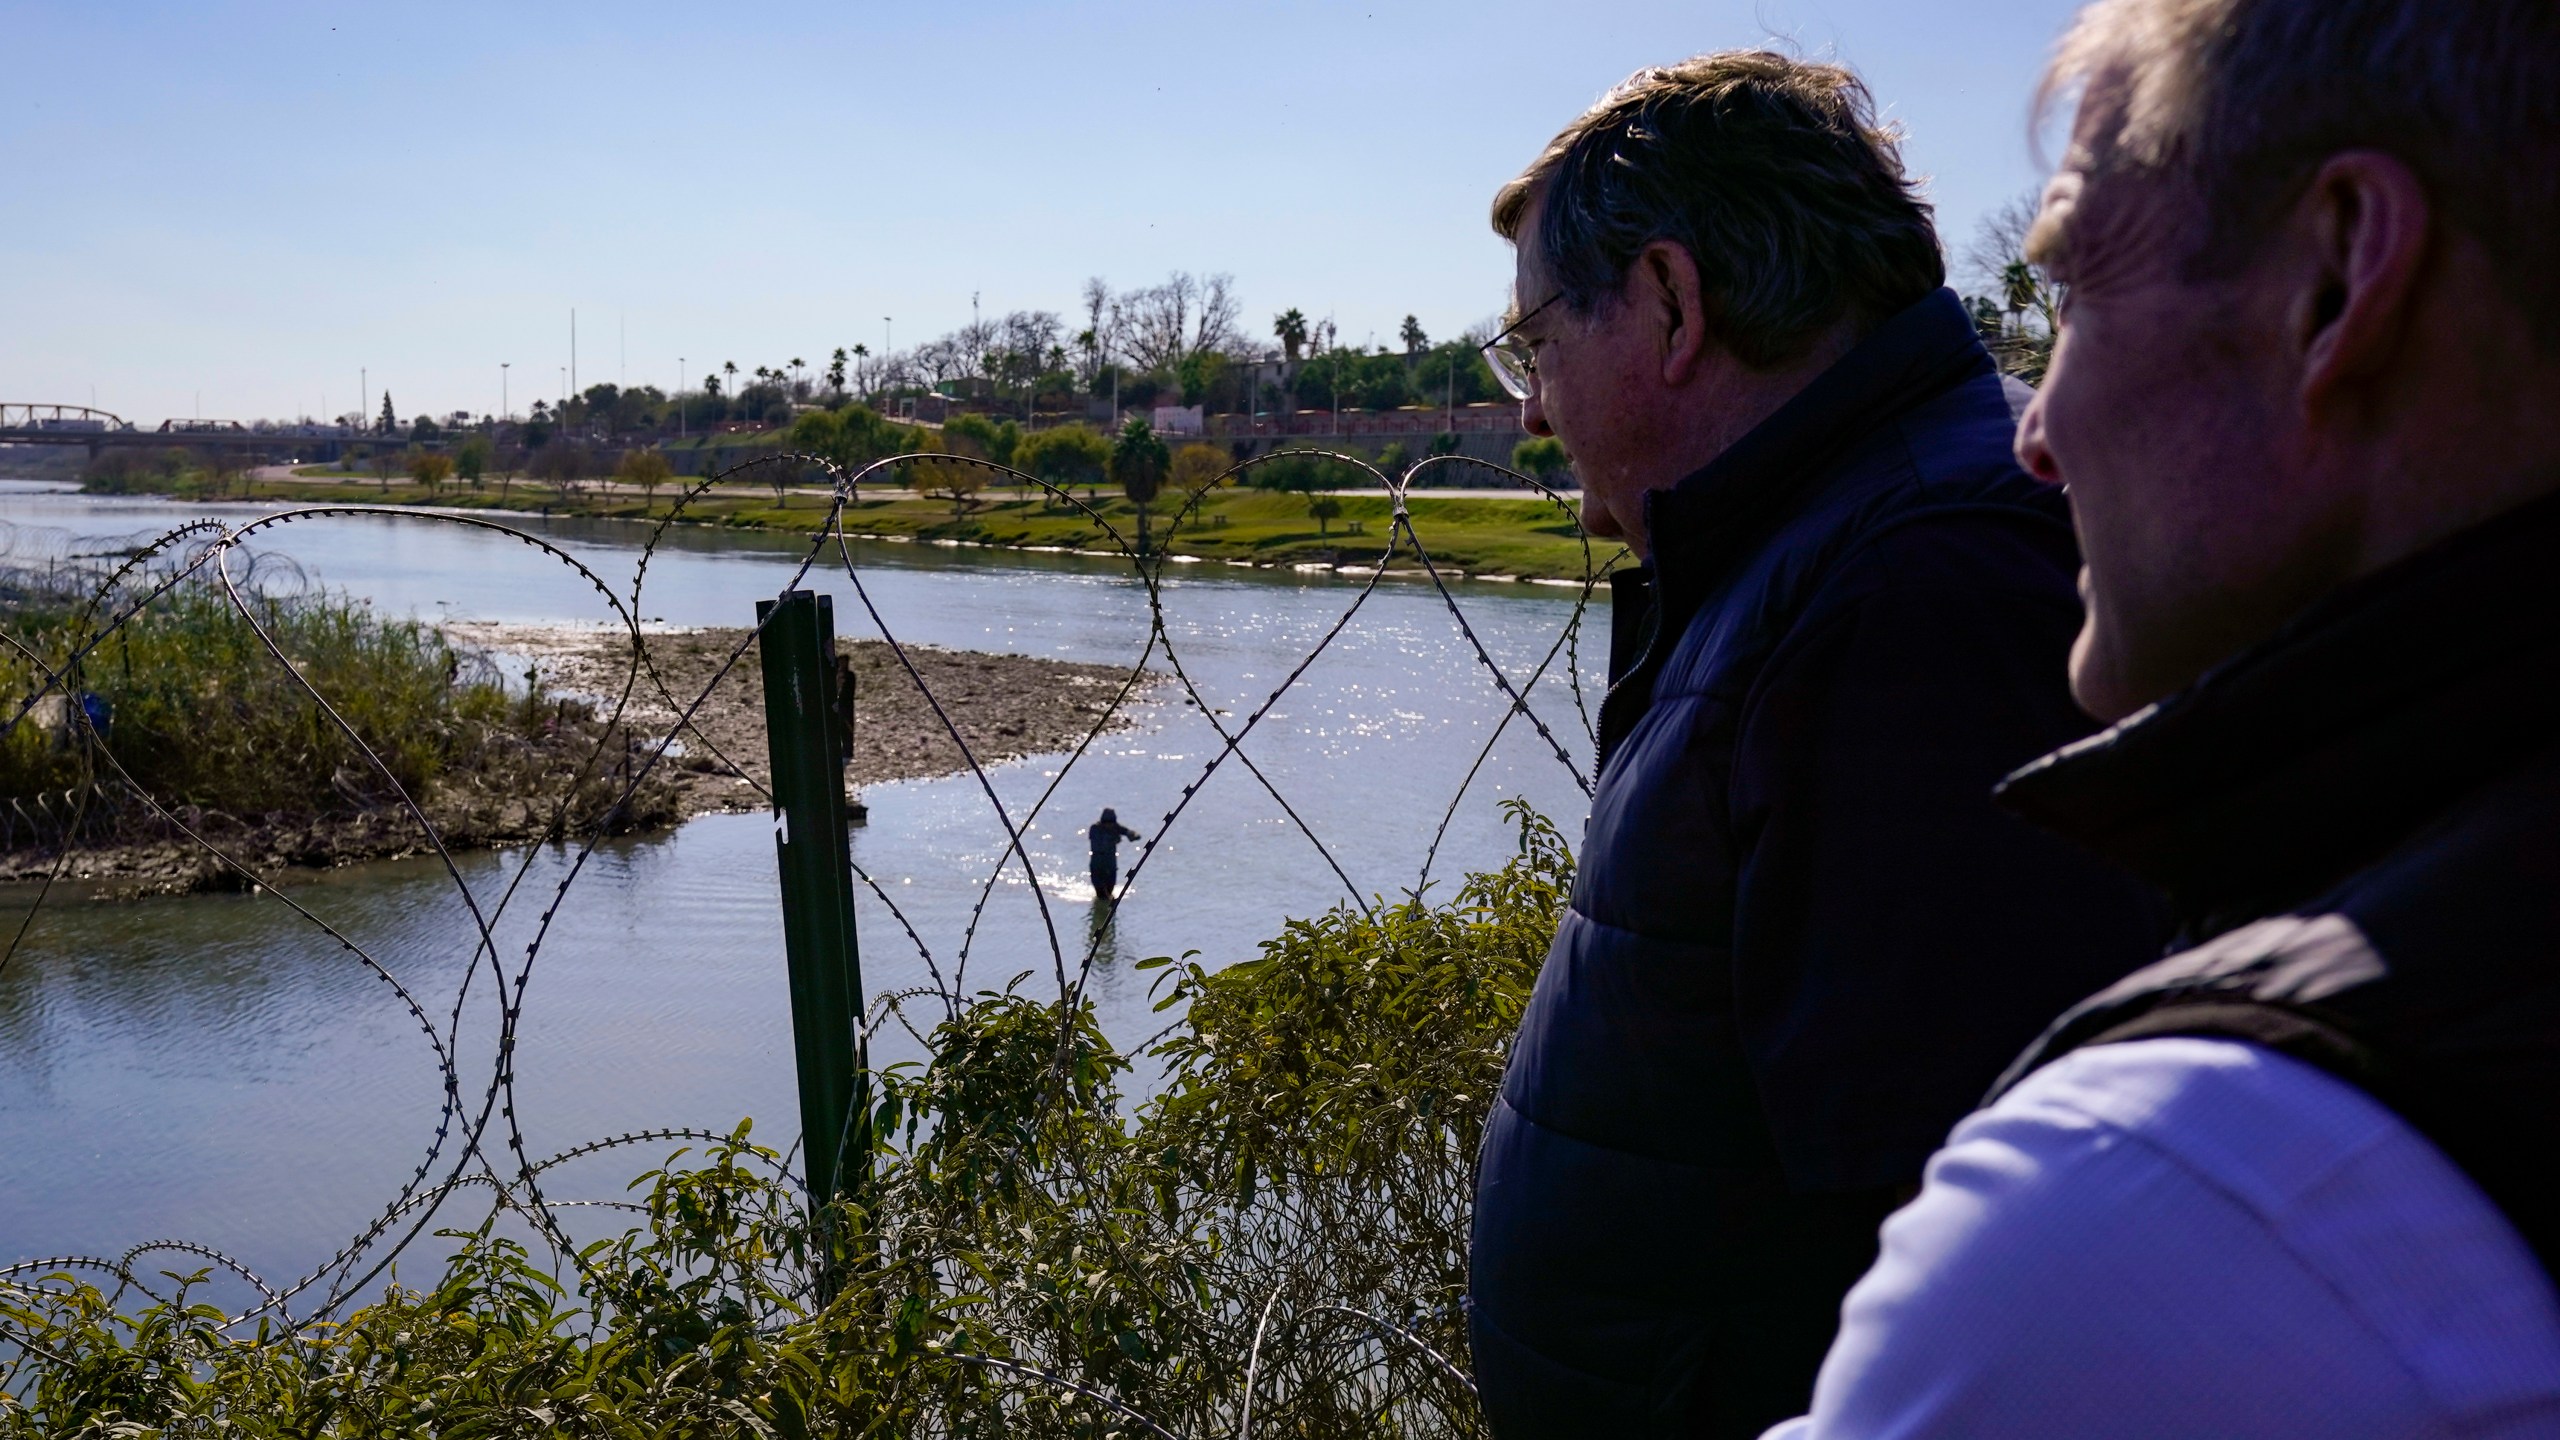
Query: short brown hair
x=2240 y=101
x=1772 y=172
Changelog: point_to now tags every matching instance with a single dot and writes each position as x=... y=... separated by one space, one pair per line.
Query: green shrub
x=1542 y=456
x=1068 y=455
x=1302 y=471
x=202 y=714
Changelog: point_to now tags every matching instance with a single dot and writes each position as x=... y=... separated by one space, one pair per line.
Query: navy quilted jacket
x=1803 y=941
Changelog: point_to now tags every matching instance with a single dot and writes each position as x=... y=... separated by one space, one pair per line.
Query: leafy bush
x=1283 y=1227
x=982 y=438
x=200 y=713
x=204 y=715
x=186 y=474
x=1197 y=467
x=851 y=437
x=1542 y=456
x=1069 y=455
x=1301 y=471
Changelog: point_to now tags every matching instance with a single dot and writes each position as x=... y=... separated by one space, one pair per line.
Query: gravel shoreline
x=1005 y=706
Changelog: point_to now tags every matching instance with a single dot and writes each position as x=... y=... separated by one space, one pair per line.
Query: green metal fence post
x=804 y=736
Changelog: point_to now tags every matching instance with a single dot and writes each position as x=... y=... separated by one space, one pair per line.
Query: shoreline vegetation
x=1472 y=536
x=500 y=734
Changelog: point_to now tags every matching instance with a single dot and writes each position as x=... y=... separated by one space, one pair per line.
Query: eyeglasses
x=1514 y=362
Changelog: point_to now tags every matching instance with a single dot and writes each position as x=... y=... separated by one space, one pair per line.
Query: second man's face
x=2162 y=414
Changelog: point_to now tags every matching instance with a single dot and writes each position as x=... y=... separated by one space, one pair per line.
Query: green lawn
x=1527 y=538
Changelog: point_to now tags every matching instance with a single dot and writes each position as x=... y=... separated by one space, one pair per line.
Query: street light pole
x=506 y=412
x=679 y=397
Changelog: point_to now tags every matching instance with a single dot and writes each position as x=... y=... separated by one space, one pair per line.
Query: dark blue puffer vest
x=1803 y=940
x=2358 y=825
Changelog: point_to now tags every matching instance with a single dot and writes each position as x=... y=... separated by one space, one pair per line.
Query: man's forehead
x=2048 y=238
x=1528 y=277
x=2099 y=214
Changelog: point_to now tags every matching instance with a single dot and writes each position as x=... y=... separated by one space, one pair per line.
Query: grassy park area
x=1479 y=536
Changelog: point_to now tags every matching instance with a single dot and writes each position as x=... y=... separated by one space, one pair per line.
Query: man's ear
x=2369 y=223
x=1669 y=276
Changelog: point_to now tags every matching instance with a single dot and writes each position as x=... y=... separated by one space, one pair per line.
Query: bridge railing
x=18 y=415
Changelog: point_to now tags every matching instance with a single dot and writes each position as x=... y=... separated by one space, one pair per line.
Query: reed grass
x=214 y=708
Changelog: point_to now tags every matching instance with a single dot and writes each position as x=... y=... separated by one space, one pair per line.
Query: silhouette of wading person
x=1106 y=835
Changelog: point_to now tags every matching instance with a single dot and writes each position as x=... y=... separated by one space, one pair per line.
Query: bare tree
x=1216 y=326
x=939 y=360
x=1170 y=322
x=1100 y=329
x=971 y=344
x=1032 y=333
x=896 y=370
x=1158 y=321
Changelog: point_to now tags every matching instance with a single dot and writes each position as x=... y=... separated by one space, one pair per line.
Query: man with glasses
x=1803 y=941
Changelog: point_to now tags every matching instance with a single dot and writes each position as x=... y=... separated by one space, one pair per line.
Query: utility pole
x=679 y=397
x=573 y=351
x=364 y=399
x=1336 y=347
x=506 y=412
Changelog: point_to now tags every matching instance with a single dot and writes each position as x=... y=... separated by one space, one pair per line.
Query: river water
x=219 y=1069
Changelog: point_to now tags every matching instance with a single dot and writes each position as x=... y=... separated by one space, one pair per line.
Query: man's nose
x=1533 y=413
x=2034 y=455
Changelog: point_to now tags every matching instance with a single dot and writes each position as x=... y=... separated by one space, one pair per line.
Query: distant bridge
x=98 y=430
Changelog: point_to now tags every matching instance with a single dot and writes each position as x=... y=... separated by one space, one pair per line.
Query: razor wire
x=472 y=1130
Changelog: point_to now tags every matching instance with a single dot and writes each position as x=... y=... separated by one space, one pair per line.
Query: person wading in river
x=1802 y=941
x=1106 y=835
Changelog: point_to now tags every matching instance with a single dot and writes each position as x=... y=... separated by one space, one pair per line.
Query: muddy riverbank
x=1005 y=707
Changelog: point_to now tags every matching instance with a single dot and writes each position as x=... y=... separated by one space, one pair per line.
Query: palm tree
x=1290 y=326
x=1139 y=461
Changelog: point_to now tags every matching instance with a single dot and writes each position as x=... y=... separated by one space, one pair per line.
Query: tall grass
x=1281 y=1231
x=204 y=716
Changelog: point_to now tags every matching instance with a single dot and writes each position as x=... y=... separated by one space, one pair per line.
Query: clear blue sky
x=251 y=201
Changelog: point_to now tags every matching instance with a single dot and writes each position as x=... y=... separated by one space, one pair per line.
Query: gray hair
x=2241 y=100
x=1773 y=173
